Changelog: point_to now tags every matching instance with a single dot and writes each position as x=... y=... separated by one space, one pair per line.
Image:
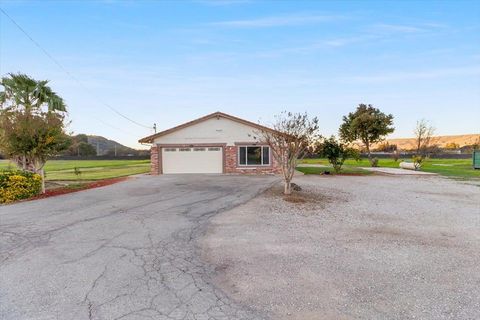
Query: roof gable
x=151 y=138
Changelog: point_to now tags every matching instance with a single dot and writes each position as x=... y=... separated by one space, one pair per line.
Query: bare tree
x=423 y=137
x=292 y=135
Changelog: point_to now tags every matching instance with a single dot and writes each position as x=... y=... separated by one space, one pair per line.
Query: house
x=215 y=143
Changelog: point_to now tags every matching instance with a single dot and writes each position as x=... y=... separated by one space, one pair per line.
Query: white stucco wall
x=213 y=130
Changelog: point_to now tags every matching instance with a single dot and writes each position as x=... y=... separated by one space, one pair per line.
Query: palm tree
x=24 y=93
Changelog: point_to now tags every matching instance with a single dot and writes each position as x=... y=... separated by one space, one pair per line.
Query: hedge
x=17 y=185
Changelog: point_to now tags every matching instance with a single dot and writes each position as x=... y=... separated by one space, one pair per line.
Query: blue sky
x=170 y=62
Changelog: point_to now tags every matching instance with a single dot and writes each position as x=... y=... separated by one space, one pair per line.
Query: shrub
x=417 y=161
x=337 y=152
x=16 y=185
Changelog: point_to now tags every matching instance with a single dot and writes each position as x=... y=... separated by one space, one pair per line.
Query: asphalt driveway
x=125 y=251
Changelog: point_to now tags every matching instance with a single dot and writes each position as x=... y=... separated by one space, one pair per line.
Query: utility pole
x=155 y=127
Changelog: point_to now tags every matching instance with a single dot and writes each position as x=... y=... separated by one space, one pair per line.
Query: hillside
x=441 y=141
x=105 y=146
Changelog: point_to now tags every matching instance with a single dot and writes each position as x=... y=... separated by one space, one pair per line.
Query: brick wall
x=154 y=163
x=231 y=164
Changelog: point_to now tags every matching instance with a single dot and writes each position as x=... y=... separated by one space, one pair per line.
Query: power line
x=70 y=74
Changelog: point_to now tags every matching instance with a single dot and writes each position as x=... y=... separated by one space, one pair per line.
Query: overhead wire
x=58 y=64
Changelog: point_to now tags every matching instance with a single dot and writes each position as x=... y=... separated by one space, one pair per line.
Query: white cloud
x=420 y=74
x=277 y=21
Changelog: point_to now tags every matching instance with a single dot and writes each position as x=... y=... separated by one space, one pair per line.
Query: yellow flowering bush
x=16 y=185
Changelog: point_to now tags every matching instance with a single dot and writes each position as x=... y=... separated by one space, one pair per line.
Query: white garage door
x=192 y=160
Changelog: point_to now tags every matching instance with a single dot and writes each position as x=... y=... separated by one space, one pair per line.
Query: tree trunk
x=42 y=174
x=288 y=188
x=369 y=154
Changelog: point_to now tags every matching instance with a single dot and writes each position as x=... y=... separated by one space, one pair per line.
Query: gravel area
x=376 y=247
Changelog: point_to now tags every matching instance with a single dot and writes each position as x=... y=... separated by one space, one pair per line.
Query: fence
x=105 y=157
x=408 y=155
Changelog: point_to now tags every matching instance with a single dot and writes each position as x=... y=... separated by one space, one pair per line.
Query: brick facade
x=231 y=153
x=230 y=163
x=154 y=161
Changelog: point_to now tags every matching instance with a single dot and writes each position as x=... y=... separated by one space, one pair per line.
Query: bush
x=337 y=152
x=16 y=185
x=417 y=161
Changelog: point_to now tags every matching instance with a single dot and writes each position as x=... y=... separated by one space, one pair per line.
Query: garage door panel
x=192 y=160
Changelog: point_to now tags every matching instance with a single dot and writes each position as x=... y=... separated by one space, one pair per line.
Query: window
x=213 y=149
x=198 y=149
x=170 y=149
x=184 y=149
x=254 y=156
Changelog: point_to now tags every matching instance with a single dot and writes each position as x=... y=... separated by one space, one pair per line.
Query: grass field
x=90 y=169
x=57 y=170
x=347 y=170
x=454 y=168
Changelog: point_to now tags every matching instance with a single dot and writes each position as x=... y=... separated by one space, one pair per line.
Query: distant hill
x=105 y=146
x=441 y=141
x=91 y=145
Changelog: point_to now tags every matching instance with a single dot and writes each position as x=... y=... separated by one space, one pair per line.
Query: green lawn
x=345 y=170
x=90 y=169
x=454 y=168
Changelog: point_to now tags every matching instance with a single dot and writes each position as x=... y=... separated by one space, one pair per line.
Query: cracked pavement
x=126 y=251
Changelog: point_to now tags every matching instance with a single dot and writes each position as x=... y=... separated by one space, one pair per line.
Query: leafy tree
x=81 y=138
x=32 y=122
x=292 y=135
x=368 y=125
x=85 y=149
x=337 y=152
x=476 y=144
x=80 y=147
x=452 y=146
x=386 y=147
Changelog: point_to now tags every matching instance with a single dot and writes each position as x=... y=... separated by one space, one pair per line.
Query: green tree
x=81 y=138
x=336 y=152
x=368 y=125
x=32 y=122
x=85 y=149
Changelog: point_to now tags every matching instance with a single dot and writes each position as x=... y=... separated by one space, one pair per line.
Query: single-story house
x=215 y=143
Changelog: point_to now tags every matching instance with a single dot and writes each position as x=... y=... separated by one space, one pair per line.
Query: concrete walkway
x=393 y=171
x=396 y=171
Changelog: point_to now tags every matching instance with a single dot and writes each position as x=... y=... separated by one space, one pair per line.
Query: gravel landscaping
x=373 y=247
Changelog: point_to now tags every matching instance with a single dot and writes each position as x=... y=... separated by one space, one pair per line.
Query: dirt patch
x=305 y=195
x=404 y=237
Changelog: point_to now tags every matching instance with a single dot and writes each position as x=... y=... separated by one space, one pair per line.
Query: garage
x=215 y=143
x=192 y=160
